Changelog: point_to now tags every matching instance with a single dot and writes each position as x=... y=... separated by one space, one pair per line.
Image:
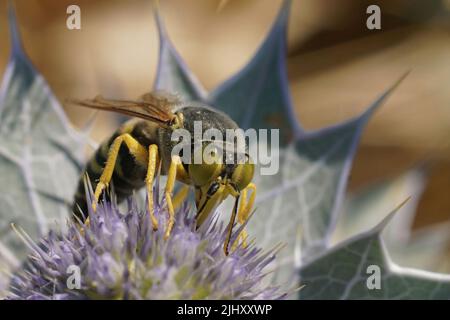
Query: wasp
x=143 y=147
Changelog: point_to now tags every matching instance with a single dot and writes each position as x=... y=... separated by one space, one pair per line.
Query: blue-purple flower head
x=119 y=256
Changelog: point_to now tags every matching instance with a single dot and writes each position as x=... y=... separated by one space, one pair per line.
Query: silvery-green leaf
x=307 y=192
x=423 y=248
x=258 y=95
x=38 y=152
x=173 y=75
x=361 y=209
x=350 y=271
x=426 y=249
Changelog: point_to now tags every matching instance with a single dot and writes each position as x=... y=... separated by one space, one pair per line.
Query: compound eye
x=243 y=174
x=204 y=172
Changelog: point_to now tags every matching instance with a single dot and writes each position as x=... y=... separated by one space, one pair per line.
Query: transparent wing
x=155 y=107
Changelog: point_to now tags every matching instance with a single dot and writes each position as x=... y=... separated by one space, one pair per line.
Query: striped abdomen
x=128 y=174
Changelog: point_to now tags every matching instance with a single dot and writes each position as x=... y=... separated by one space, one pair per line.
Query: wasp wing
x=162 y=98
x=152 y=106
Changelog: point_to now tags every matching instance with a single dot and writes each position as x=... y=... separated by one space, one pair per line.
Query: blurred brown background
x=336 y=67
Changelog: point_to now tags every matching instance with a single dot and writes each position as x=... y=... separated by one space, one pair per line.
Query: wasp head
x=215 y=178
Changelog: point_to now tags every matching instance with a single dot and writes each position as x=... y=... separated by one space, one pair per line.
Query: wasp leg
x=176 y=169
x=153 y=160
x=135 y=148
x=180 y=196
x=244 y=210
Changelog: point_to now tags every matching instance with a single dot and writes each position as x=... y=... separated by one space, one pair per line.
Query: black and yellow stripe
x=128 y=174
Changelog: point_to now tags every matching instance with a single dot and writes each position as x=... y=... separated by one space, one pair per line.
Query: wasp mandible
x=131 y=157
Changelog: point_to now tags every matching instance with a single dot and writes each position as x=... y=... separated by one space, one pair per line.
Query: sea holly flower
x=119 y=256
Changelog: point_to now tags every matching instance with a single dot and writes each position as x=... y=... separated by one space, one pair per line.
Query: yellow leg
x=136 y=149
x=245 y=207
x=153 y=161
x=226 y=245
x=244 y=210
x=171 y=177
x=180 y=196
